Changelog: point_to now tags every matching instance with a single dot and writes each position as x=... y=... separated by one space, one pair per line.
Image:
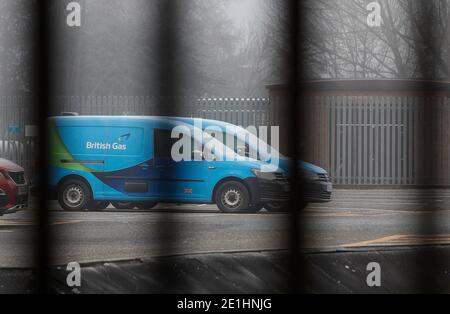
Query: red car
x=13 y=187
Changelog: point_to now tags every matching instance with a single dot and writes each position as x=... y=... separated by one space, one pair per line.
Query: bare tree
x=413 y=40
x=16 y=46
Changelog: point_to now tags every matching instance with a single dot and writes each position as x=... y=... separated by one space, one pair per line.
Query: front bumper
x=264 y=191
x=11 y=203
x=317 y=191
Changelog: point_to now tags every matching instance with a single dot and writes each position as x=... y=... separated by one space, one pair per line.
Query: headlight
x=264 y=175
x=2 y=192
x=308 y=175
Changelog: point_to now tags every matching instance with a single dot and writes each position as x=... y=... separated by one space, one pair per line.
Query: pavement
x=354 y=219
x=267 y=272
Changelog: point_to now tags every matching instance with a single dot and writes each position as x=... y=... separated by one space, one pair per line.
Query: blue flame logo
x=124 y=137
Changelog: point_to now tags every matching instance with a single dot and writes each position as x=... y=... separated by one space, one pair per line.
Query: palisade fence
x=360 y=140
x=380 y=139
x=240 y=111
x=18 y=133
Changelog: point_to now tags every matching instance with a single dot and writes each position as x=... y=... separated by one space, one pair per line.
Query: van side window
x=163 y=143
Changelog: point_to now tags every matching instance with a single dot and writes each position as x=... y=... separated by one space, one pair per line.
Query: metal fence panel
x=380 y=140
x=16 y=115
x=240 y=111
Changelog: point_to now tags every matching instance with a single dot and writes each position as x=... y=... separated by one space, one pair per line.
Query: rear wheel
x=74 y=195
x=233 y=197
x=98 y=205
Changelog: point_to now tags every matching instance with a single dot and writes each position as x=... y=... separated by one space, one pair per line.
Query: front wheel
x=74 y=195
x=233 y=197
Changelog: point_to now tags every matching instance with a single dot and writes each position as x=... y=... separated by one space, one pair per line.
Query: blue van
x=316 y=187
x=123 y=160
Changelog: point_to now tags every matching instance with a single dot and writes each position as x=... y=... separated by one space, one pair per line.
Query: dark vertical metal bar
x=294 y=112
x=41 y=104
x=166 y=78
x=427 y=225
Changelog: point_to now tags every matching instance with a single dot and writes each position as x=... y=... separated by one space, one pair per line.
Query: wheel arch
x=227 y=179
x=74 y=177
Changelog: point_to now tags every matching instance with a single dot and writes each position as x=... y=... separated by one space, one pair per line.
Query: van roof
x=151 y=118
x=162 y=121
x=207 y=121
x=119 y=118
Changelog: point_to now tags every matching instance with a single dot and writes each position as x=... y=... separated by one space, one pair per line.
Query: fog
x=219 y=48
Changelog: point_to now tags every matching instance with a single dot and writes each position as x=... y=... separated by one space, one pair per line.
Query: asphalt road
x=358 y=218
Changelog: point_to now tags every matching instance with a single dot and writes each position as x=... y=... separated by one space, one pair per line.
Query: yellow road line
x=347 y=213
x=63 y=222
x=29 y=222
x=403 y=239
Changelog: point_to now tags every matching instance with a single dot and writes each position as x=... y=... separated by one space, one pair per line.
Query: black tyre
x=98 y=205
x=233 y=197
x=74 y=195
x=145 y=205
x=123 y=205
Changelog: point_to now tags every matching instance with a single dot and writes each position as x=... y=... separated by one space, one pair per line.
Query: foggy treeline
x=115 y=51
x=413 y=40
x=16 y=46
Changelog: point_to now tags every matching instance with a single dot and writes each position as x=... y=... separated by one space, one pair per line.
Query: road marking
x=379 y=210
x=65 y=222
x=348 y=212
x=16 y=222
x=30 y=222
x=334 y=214
x=403 y=239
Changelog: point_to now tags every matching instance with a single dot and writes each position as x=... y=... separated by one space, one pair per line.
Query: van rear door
x=81 y=151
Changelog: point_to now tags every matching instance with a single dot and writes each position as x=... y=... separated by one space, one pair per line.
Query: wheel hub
x=232 y=198
x=73 y=196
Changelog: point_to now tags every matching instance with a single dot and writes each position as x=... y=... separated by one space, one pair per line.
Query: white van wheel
x=74 y=195
x=232 y=197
